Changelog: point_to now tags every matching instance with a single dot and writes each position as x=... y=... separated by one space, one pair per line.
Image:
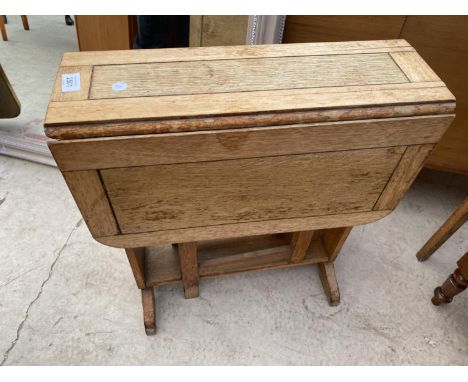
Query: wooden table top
x=186 y=89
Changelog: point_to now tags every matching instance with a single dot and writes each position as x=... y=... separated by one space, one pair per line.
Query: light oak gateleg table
x=203 y=162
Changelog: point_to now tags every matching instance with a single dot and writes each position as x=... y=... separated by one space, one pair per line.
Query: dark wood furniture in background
x=455 y=284
x=451 y=225
x=441 y=40
x=105 y=32
x=211 y=30
x=24 y=20
x=458 y=281
x=100 y=33
x=10 y=106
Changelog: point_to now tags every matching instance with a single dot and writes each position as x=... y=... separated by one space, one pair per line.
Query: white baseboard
x=26 y=149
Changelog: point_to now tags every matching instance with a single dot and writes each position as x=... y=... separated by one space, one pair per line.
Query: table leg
x=451 y=225
x=3 y=29
x=456 y=283
x=24 y=20
x=329 y=283
x=333 y=240
x=299 y=244
x=149 y=310
x=189 y=268
x=450 y=288
x=136 y=258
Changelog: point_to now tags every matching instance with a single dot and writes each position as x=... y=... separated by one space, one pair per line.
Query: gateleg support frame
x=186 y=263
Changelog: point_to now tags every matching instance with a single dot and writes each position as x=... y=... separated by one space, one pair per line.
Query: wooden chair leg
x=299 y=244
x=329 y=283
x=24 y=20
x=3 y=29
x=450 y=288
x=189 y=268
x=451 y=225
x=149 y=310
x=455 y=284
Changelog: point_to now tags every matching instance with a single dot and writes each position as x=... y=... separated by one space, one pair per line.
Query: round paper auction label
x=119 y=86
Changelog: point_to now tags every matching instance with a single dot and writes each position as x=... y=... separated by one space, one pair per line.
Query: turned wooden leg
x=149 y=310
x=300 y=242
x=451 y=225
x=3 y=29
x=449 y=289
x=456 y=283
x=189 y=268
x=329 y=283
x=24 y=20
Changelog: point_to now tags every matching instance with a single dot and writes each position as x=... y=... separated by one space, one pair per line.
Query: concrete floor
x=68 y=300
x=30 y=59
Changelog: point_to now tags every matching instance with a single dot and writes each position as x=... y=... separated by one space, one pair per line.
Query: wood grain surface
x=136 y=258
x=85 y=83
x=91 y=198
x=178 y=196
x=189 y=268
x=229 y=256
x=240 y=229
x=114 y=129
x=300 y=245
x=248 y=140
x=144 y=150
x=182 y=106
x=333 y=240
x=414 y=67
x=411 y=163
x=118 y=57
x=229 y=76
x=252 y=81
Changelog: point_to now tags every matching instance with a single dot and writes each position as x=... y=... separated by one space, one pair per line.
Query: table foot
x=329 y=283
x=149 y=310
x=455 y=284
